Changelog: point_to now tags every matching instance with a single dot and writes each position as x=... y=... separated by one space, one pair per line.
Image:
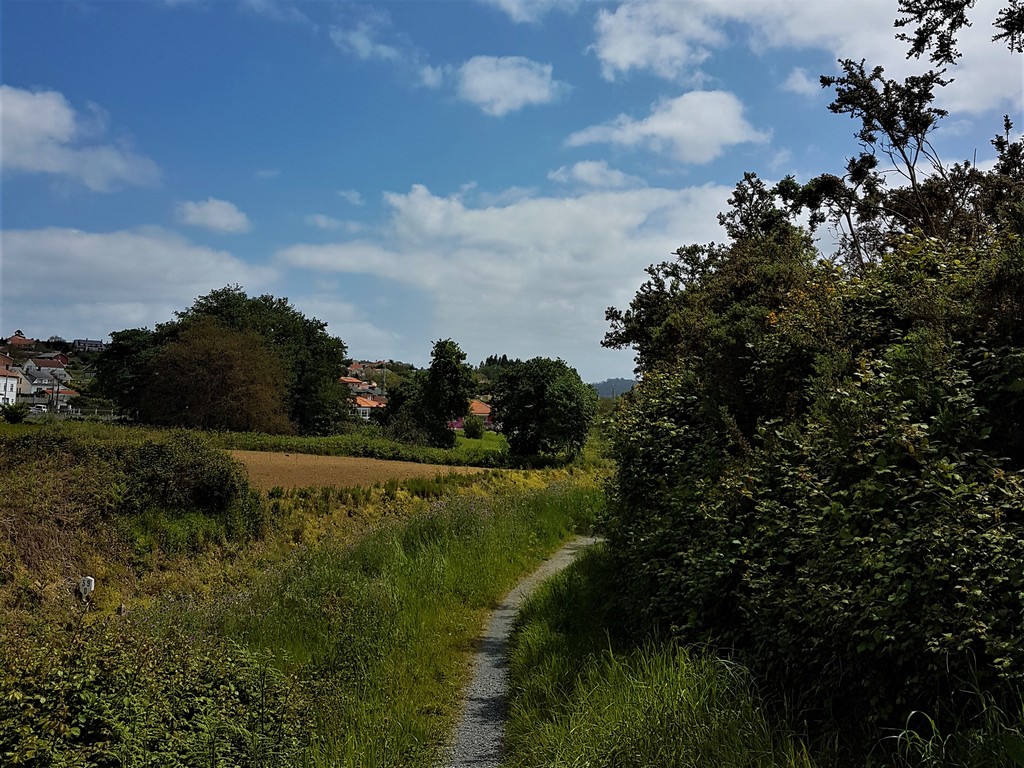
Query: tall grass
x=377 y=633
x=582 y=695
x=339 y=654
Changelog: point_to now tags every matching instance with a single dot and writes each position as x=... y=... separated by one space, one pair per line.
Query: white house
x=9 y=381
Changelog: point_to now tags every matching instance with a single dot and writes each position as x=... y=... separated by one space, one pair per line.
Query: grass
x=583 y=695
x=383 y=628
x=338 y=638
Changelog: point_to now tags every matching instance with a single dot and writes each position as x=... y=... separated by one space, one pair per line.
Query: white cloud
x=347 y=322
x=503 y=84
x=321 y=221
x=351 y=196
x=668 y=37
x=361 y=39
x=673 y=38
x=432 y=77
x=331 y=224
x=544 y=268
x=214 y=215
x=530 y=11
x=40 y=132
x=801 y=83
x=277 y=11
x=267 y=173
x=97 y=282
x=695 y=127
x=594 y=173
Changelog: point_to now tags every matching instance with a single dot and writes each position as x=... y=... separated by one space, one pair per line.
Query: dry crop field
x=300 y=470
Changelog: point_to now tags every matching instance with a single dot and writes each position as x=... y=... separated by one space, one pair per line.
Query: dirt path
x=477 y=741
x=300 y=470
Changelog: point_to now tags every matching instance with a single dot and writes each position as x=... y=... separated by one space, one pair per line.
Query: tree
x=426 y=401
x=122 y=369
x=936 y=23
x=311 y=361
x=544 y=407
x=213 y=377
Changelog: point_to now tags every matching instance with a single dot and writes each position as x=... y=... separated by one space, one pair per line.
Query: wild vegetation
x=230 y=361
x=319 y=626
x=820 y=471
x=583 y=692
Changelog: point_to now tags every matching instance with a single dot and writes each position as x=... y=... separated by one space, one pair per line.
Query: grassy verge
x=584 y=696
x=309 y=649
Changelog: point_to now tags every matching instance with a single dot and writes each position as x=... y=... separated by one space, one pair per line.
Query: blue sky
x=498 y=172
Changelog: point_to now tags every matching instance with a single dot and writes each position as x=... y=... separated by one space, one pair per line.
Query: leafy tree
x=14 y=413
x=313 y=359
x=426 y=401
x=544 y=407
x=473 y=427
x=936 y=23
x=214 y=377
x=122 y=369
x=820 y=468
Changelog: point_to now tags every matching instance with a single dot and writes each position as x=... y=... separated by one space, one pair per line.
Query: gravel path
x=477 y=742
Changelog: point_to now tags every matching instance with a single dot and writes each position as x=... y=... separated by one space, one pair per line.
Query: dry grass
x=299 y=470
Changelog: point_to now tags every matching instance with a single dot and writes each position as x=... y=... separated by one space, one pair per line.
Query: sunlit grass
x=583 y=696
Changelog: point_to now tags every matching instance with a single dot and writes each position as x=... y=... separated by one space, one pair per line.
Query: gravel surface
x=477 y=741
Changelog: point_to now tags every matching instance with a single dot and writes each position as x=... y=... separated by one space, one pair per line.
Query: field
x=300 y=470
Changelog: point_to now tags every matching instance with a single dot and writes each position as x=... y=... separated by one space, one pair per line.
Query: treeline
x=239 y=363
x=821 y=467
x=233 y=362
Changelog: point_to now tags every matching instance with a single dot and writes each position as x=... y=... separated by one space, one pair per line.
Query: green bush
x=853 y=528
x=14 y=413
x=473 y=427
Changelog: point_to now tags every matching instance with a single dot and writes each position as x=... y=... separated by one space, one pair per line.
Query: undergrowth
x=584 y=694
x=339 y=638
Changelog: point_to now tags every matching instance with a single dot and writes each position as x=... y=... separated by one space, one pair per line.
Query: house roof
x=365 y=402
x=21 y=341
x=479 y=408
x=5 y=373
x=350 y=380
x=46 y=362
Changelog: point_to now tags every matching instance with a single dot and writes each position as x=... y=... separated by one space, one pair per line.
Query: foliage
x=276 y=340
x=335 y=654
x=14 y=413
x=583 y=693
x=544 y=408
x=214 y=377
x=473 y=427
x=821 y=468
x=938 y=22
x=72 y=489
x=421 y=407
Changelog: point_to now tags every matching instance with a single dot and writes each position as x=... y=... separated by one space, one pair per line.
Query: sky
x=497 y=172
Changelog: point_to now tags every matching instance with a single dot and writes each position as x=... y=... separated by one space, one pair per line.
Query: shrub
x=14 y=413
x=473 y=427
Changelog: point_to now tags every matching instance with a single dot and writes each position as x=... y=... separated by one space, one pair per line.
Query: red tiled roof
x=479 y=408
x=364 y=402
x=45 y=362
x=350 y=380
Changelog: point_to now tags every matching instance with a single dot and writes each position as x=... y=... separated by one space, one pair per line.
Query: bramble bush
x=854 y=529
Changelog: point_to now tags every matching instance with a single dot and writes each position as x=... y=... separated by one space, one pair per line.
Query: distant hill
x=613 y=387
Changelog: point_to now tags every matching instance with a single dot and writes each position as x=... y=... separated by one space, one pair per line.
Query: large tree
x=311 y=360
x=420 y=409
x=214 y=377
x=314 y=360
x=544 y=407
